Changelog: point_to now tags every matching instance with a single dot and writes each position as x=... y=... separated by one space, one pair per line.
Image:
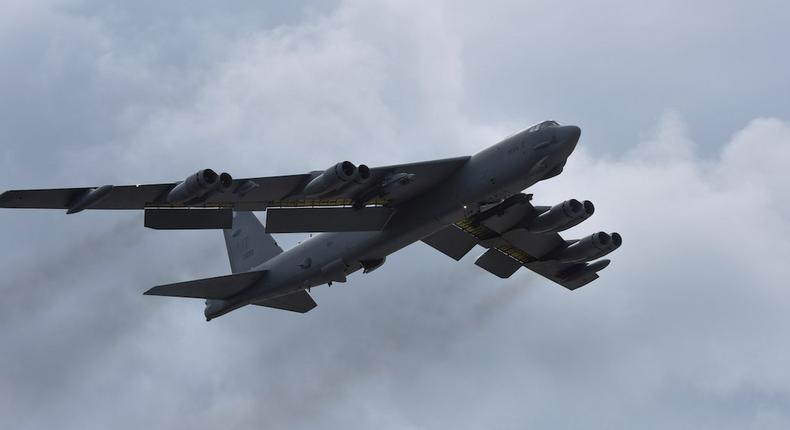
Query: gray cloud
x=686 y=329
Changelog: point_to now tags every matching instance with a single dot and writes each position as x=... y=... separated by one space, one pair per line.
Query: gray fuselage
x=489 y=176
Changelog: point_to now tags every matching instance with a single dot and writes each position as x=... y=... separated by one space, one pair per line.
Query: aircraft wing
x=502 y=229
x=385 y=185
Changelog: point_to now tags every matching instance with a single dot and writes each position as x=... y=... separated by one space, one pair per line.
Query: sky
x=685 y=140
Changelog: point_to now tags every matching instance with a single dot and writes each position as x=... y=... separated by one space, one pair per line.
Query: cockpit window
x=544 y=124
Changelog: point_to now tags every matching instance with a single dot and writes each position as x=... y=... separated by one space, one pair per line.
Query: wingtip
x=5 y=197
x=12 y=199
x=306 y=310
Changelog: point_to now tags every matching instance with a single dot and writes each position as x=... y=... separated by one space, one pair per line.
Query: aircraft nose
x=570 y=133
x=568 y=136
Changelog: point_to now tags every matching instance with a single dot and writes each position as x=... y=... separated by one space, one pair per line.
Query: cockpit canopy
x=544 y=124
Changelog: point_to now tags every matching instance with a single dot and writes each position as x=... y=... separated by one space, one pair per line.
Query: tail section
x=249 y=246
x=248 y=243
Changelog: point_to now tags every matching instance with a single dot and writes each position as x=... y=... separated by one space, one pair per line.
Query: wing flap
x=536 y=245
x=451 y=241
x=498 y=263
x=219 y=288
x=188 y=219
x=303 y=220
x=299 y=301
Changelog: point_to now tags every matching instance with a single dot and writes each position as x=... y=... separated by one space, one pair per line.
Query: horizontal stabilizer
x=315 y=220
x=219 y=288
x=452 y=242
x=188 y=219
x=299 y=301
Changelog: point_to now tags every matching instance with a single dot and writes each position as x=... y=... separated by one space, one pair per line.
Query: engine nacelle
x=225 y=182
x=591 y=247
x=363 y=175
x=332 y=179
x=89 y=198
x=360 y=183
x=196 y=185
x=561 y=217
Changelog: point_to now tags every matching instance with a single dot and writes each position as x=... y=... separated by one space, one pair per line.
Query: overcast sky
x=685 y=116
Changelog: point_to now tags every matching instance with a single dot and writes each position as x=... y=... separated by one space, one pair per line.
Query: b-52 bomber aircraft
x=364 y=214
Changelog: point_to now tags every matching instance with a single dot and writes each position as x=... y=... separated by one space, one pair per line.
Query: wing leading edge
x=386 y=185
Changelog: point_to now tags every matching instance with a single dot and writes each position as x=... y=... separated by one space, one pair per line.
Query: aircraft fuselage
x=497 y=172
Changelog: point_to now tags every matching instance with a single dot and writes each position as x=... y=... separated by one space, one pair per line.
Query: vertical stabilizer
x=248 y=243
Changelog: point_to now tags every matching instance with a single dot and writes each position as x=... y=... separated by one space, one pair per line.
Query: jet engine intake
x=333 y=179
x=591 y=247
x=225 y=182
x=360 y=183
x=363 y=174
x=561 y=217
x=197 y=185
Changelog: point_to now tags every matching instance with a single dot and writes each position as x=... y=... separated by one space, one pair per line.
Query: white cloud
x=686 y=328
x=339 y=84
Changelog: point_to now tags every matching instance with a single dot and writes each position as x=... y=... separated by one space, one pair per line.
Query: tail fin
x=248 y=243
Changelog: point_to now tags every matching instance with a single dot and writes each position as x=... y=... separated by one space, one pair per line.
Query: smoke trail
x=408 y=324
x=65 y=314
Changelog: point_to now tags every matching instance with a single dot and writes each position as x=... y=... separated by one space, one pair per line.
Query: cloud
x=685 y=329
x=700 y=275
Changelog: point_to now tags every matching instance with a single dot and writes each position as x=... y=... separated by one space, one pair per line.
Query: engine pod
x=225 y=182
x=561 y=217
x=360 y=184
x=89 y=198
x=589 y=248
x=194 y=186
x=331 y=179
